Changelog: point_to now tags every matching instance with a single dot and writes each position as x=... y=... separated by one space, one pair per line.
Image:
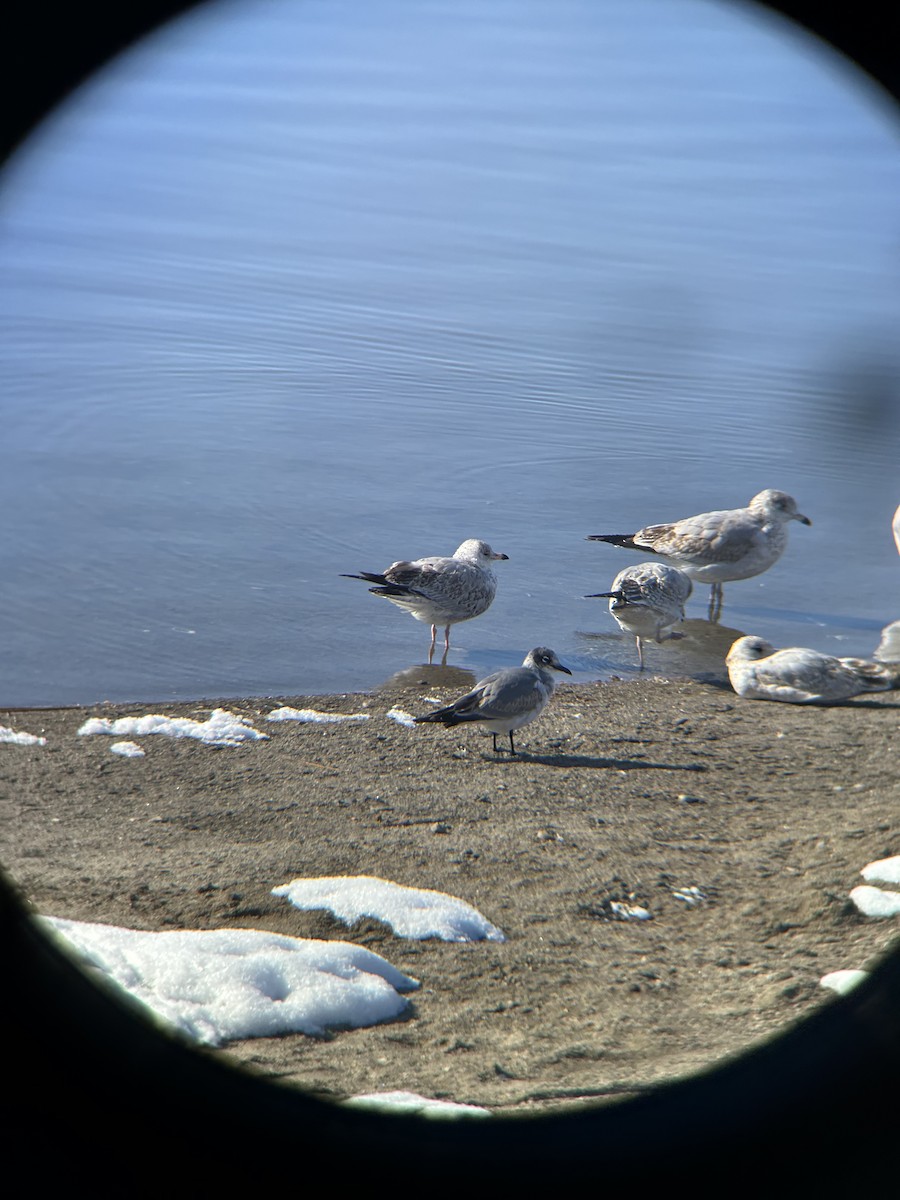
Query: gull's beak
x=803 y=520
x=557 y=666
x=605 y=596
x=497 y=557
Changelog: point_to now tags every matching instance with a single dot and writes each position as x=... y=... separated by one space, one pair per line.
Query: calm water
x=300 y=288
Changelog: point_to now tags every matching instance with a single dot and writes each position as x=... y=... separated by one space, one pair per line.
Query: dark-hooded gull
x=716 y=547
x=507 y=699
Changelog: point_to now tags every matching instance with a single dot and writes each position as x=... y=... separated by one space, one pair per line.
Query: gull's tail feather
x=385 y=587
x=461 y=710
x=617 y=539
x=368 y=577
x=629 y=593
x=874 y=676
x=449 y=716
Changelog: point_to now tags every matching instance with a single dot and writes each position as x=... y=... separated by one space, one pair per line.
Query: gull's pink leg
x=433 y=639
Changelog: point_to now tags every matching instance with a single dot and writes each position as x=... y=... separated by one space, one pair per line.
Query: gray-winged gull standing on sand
x=507 y=699
x=716 y=547
x=646 y=600
x=799 y=676
x=440 y=591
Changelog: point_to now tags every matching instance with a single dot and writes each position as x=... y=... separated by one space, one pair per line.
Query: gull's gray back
x=514 y=690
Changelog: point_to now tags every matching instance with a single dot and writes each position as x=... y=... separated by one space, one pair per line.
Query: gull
x=716 y=547
x=441 y=591
x=888 y=649
x=799 y=676
x=646 y=600
x=507 y=699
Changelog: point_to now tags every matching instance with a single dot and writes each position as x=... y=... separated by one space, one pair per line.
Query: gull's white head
x=475 y=551
x=749 y=649
x=778 y=506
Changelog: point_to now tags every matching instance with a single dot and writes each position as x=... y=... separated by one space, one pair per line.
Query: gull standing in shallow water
x=799 y=676
x=507 y=699
x=441 y=591
x=646 y=600
x=889 y=647
x=716 y=547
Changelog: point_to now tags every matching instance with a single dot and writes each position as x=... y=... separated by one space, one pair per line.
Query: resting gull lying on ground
x=646 y=600
x=507 y=699
x=441 y=591
x=716 y=547
x=799 y=676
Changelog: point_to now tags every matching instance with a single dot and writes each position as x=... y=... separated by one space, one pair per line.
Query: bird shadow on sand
x=585 y=760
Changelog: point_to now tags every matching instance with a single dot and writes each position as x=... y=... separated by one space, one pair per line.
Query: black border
x=94 y=1090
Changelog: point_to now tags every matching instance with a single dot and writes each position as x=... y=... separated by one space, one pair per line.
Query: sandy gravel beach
x=624 y=791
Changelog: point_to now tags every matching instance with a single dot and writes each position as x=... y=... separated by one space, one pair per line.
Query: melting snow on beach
x=20 y=739
x=420 y=1106
x=222 y=728
x=313 y=716
x=410 y=912
x=875 y=901
x=219 y=984
x=872 y=902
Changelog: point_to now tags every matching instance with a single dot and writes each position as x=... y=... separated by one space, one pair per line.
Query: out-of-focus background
x=297 y=289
